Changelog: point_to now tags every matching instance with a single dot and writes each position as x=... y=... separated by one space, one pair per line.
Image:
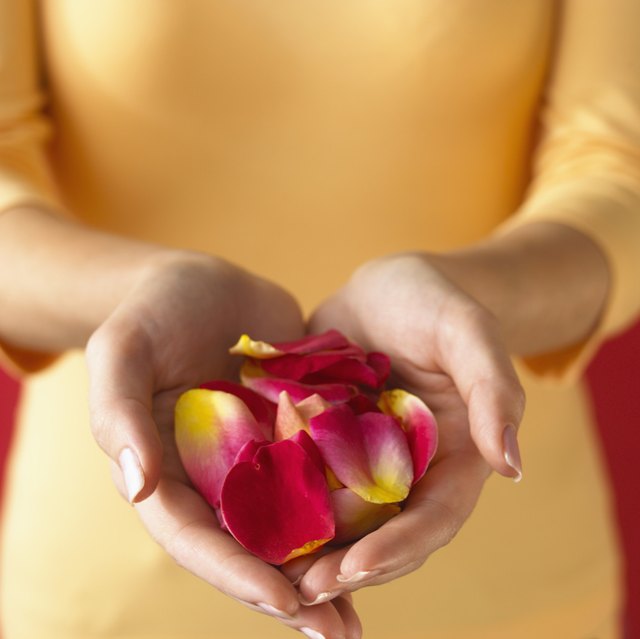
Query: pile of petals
x=308 y=449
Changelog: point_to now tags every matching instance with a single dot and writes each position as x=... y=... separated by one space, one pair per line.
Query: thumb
x=478 y=362
x=333 y=312
x=120 y=402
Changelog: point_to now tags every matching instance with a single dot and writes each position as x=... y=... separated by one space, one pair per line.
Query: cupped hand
x=447 y=349
x=172 y=332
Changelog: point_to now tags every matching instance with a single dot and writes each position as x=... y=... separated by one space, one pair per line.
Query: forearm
x=59 y=280
x=546 y=283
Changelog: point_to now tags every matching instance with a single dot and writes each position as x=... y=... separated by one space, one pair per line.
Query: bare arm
x=547 y=284
x=60 y=280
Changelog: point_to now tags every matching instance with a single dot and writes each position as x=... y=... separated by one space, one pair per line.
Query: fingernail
x=512 y=451
x=272 y=610
x=362 y=575
x=312 y=634
x=132 y=473
x=297 y=581
x=323 y=597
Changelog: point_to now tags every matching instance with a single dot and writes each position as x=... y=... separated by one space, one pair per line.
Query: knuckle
x=96 y=346
x=520 y=397
x=449 y=522
x=100 y=427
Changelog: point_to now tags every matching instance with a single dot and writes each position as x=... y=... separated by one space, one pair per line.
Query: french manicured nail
x=512 y=451
x=272 y=610
x=132 y=473
x=357 y=577
x=323 y=597
x=312 y=634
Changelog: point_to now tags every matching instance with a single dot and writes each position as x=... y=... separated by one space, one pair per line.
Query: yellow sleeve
x=587 y=164
x=25 y=177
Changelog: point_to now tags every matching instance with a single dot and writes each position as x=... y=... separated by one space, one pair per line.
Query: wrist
x=59 y=279
x=547 y=284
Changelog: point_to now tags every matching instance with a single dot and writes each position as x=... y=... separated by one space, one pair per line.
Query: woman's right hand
x=171 y=332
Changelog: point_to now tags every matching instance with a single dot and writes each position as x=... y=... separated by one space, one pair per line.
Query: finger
x=186 y=527
x=436 y=509
x=473 y=354
x=295 y=569
x=120 y=395
x=319 y=583
x=327 y=621
x=331 y=314
x=346 y=610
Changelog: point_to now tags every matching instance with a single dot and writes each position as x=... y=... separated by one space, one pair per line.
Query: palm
x=445 y=349
x=170 y=334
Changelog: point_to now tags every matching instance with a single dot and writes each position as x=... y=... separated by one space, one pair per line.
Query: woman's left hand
x=446 y=348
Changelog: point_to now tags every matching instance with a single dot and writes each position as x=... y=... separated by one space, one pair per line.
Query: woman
x=476 y=165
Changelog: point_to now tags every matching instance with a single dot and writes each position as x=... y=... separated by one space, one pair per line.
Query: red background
x=614 y=378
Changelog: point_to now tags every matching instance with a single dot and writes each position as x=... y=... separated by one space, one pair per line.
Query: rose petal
x=368 y=453
x=278 y=506
x=419 y=424
x=254 y=348
x=298 y=366
x=294 y=417
x=381 y=364
x=356 y=517
x=210 y=429
x=370 y=370
x=263 y=410
x=270 y=388
x=304 y=440
x=363 y=404
x=349 y=371
x=249 y=450
x=333 y=482
x=330 y=340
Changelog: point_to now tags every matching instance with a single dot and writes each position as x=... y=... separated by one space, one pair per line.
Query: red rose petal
x=249 y=450
x=381 y=364
x=345 y=371
x=327 y=341
x=278 y=506
x=363 y=404
x=298 y=366
x=304 y=440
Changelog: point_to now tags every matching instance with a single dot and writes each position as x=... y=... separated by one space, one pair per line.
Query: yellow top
x=300 y=139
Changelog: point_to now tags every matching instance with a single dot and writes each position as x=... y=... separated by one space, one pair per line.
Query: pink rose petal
x=356 y=517
x=278 y=505
x=210 y=429
x=419 y=424
x=368 y=453
x=270 y=388
x=263 y=410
